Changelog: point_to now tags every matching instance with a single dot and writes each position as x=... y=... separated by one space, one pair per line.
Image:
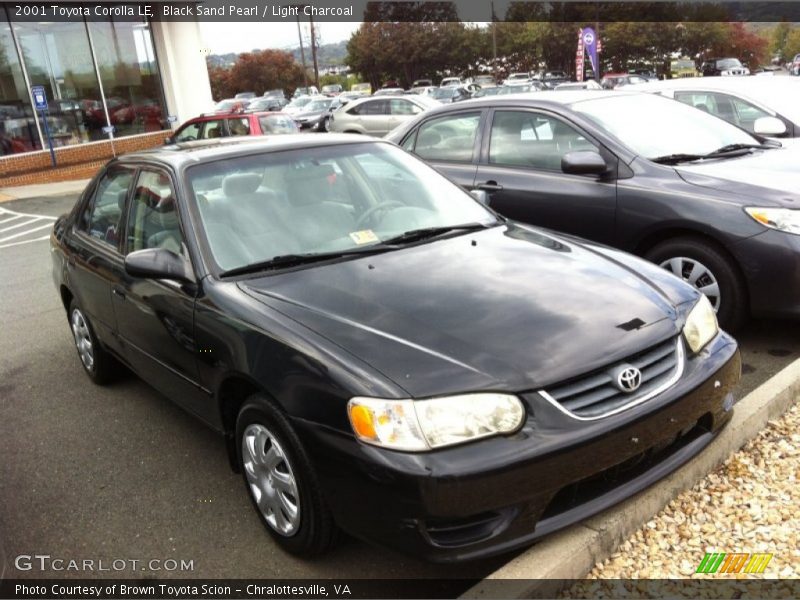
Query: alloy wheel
x=83 y=339
x=270 y=479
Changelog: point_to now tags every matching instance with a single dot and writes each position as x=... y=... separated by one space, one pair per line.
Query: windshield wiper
x=674 y=159
x=414 y=235
x=729 y=150
x=293 y=260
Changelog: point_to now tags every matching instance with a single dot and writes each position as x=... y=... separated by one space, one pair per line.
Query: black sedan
x=381 y=352
x=712 y=203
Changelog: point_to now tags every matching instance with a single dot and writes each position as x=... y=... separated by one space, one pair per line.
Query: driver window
x=153 y=217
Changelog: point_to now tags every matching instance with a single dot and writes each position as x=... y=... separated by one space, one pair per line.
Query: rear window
x=277 y=124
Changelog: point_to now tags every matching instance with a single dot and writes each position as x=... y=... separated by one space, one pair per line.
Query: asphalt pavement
x=120 y=473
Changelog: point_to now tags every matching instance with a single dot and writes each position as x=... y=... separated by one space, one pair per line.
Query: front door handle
x=119 y=292
x=489 y=186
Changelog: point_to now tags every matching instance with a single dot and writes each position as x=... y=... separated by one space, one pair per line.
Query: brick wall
x=74 y=162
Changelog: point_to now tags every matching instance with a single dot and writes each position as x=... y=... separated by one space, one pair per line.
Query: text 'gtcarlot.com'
x=45 y=562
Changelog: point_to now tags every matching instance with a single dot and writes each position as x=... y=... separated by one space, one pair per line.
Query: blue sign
x=39 y=97
x=590 y=45
x=108 y=129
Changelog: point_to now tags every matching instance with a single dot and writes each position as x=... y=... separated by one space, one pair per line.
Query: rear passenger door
x=374 y=116
x=96 y=262
x=449 y=143
x=520 y=168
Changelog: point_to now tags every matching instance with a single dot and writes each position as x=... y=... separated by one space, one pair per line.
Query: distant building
x=135 y=76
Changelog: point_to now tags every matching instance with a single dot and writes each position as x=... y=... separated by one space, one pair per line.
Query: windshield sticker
x=365 y=236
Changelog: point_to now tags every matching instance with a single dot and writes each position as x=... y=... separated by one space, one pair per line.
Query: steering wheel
x=383 y=206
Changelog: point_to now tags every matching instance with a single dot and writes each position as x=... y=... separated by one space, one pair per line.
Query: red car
x=216 y=125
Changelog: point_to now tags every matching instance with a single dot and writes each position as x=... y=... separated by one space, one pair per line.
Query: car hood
x=777 y=170
x=510 y=308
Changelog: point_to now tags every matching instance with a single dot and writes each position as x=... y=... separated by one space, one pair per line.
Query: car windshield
x=729 y=63
x=299 y=102
x=677 y=129
x=317 y=105
x=277 y=124
x=317 y=201
x=444 y=92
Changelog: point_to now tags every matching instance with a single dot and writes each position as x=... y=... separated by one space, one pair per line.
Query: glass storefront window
x=17 y=128
x=129 y=73
x=57 y=56
x=67 y=58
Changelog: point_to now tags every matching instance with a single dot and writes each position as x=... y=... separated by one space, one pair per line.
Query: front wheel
x=281 y=481
x=710 y=271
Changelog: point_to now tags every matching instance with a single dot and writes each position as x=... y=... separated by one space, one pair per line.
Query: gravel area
x=751 y=503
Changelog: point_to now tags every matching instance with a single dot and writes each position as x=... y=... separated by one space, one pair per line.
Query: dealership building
x=111 y=86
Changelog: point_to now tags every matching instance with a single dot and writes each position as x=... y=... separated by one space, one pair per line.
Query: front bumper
x=770 y=262
x=499 y=494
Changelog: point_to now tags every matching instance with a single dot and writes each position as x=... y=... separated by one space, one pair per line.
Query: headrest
x=121 y=195
x=310 y=185
x=241 y=183
x=313 y=172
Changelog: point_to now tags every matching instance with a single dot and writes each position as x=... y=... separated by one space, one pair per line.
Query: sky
x=222 y=38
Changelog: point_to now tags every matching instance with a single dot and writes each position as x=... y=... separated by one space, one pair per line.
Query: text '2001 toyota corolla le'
x=383 y=353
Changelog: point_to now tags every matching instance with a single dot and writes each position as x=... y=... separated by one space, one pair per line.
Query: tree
x=257 y=72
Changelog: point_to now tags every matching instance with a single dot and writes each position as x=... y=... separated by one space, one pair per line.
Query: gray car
x=378 y=115
x=698 y=196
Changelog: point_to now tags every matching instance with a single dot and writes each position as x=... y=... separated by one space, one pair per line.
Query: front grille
x=597 y=395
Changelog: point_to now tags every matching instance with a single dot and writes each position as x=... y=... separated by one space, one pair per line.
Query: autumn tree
x=257 y=71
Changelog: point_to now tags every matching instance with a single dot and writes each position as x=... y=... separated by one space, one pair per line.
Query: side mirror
x=169 y=140
x=583 y=162
x=158 y=263
x=769 y=126
x=481 y=196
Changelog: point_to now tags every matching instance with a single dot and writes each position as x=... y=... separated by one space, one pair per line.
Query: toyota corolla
x=383 y=354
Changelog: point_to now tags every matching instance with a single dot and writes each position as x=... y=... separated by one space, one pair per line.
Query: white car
x=768 y=106
x=516 y=78
x=450 y=81
x=378 y=115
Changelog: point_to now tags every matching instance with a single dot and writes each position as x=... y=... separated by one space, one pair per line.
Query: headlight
x=420 y=425
x=701 y=325
x=782 y=219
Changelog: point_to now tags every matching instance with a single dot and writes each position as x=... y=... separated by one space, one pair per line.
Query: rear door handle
x=490 y=186
x=119 y=292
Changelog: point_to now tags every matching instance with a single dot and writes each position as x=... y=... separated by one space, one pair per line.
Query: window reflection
x=129 y=73
x=17 y=128
x=57 y=56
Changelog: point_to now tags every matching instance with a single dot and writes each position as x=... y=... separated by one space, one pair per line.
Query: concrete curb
x=573 y=552
x=42 y=190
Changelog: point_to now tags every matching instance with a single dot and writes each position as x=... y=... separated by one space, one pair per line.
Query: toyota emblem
x=629 y=379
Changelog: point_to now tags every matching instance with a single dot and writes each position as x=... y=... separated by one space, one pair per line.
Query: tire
x=97 y=363
x=718 y=277
x=310 y=530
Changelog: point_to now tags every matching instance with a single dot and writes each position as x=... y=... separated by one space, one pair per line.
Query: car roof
x=182 y=154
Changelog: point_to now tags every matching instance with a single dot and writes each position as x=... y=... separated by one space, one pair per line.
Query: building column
x=183 y=68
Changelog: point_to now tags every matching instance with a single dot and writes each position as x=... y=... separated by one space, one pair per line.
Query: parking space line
x=26 y=232
x=11 y=219
x=5 y=211
x=39 y=239
x=17 y=225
